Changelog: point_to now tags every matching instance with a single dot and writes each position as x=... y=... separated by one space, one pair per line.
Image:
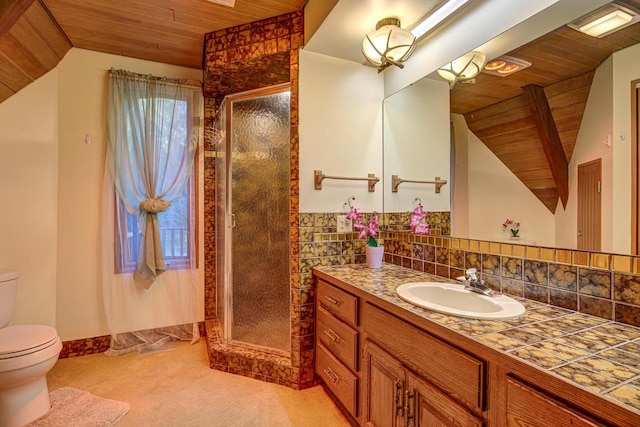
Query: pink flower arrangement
x=512 y=225
x=417 y=223
x=369 y=229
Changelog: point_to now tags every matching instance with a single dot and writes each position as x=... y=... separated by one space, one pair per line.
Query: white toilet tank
x=8 y=294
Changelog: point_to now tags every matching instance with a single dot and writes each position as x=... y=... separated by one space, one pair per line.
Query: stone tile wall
x=253 y=56
x=440 y=222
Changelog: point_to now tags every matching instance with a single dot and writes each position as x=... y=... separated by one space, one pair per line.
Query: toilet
x=27 y=353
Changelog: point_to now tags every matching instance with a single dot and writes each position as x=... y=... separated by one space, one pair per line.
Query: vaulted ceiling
x=532 y=131
x=530 y=119
x=36 y=34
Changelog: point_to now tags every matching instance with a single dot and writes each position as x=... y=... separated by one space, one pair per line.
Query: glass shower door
x=259 y=203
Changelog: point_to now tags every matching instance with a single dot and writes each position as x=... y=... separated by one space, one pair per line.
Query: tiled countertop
x=600 y=355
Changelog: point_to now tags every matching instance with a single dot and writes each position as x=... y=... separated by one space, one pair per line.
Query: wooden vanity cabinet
x=394 y=396
x=388 y=368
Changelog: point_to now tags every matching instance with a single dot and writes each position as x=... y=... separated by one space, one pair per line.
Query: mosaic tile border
x=254 y=364
x=85 y=346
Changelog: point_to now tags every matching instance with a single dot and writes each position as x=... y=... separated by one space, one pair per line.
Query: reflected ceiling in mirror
x=502 y=139
x=554 y=57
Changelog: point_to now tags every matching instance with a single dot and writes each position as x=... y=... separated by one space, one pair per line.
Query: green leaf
x=373 y=242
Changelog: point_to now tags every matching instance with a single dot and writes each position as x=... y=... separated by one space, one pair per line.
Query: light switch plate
x=344 y=225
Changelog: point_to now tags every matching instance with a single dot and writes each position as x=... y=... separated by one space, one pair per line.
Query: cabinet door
x=383 y=388
x=529 y=407
x=426 y=405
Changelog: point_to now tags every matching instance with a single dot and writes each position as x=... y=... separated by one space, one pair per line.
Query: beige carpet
x=177 y=388
x=71 y=407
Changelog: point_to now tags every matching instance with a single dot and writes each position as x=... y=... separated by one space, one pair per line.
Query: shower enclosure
x=252 y=219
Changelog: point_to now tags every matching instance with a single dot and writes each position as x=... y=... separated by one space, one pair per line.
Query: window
x=176 y=224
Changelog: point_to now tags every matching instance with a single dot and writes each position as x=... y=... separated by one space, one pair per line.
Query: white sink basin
x=453 y=299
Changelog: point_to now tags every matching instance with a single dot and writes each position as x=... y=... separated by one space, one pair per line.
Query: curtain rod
x=127 y=75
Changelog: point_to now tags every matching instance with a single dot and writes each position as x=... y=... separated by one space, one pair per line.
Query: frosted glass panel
x=260 y=204
x=221 y=203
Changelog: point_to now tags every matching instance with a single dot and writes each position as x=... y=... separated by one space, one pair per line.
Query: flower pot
x=375 y=254
x=515 y=237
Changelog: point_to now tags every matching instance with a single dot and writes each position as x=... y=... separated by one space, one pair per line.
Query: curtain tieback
x=154 y=205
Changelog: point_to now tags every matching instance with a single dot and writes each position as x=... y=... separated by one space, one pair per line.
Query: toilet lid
x=19 y=340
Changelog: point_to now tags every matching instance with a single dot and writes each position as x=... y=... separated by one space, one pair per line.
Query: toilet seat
x=22 y=340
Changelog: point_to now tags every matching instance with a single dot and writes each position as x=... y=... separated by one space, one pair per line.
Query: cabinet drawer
x=521 y=399
x=338 y=302
x=338 y=337
x=338 y=378
x=453 y=371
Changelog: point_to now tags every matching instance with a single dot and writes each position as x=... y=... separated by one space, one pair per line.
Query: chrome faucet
x=474 y=284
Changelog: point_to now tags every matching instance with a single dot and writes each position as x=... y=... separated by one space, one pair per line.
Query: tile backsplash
x=603 y=285
x=599 y=284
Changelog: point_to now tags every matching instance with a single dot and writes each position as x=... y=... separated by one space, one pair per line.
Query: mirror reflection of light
x=426 y=25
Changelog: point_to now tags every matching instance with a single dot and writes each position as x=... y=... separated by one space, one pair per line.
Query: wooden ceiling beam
x=550 y=139
x=10 y=12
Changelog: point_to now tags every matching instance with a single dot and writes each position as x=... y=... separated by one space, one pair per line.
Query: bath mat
x=71 y=407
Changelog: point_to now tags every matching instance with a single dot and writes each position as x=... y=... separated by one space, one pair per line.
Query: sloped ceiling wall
x=31 y=43
x=36 y=34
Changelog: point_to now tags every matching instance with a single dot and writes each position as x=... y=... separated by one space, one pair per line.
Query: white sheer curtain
x=149 y=276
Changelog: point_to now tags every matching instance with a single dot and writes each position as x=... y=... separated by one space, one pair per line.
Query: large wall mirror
x=566 y=177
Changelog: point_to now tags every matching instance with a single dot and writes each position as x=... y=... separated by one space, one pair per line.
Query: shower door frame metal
x=229 y=216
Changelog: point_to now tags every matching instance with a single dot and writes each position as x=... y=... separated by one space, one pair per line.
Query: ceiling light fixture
x=388 y=44
x=463 y=69
x=606 y=20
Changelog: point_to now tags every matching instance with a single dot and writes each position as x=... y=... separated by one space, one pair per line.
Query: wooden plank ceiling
x=508 y=113
x=36 y=34
x=31 y=43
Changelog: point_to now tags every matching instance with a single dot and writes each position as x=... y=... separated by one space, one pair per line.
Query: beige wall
x=607 y=117
x=28 y=196
x=595 y=128
x=417 y=145
x=51 y=187
x=340 y=132
x=82 y=105
x=626 y=68
x=493 y=194
x=460 y=186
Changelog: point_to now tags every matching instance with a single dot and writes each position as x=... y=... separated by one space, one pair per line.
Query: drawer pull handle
x=335 y=337
x=334 y=378
x=332 y=300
